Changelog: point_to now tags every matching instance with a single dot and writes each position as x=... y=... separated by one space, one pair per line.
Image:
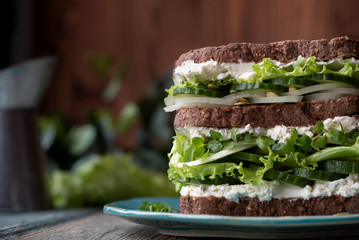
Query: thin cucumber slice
x=333 y=78
x=240 y=146
x=338 y=166
x=249 y=157
x=265 y=87
x=314 y=88
x=199 y=91
x=318 y=174
x=332 y=94
x=292 y=82
x=273 y=174
x=207 y=181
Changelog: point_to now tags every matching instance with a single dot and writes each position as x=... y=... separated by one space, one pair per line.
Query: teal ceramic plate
x=235 y=227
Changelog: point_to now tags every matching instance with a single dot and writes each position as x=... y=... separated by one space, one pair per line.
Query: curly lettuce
x=249 y=160
x=102 y=179
x=301 y=67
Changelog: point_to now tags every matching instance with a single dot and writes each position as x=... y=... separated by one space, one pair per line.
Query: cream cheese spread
x=211 y=69
x=346 y=187
x=240 y=70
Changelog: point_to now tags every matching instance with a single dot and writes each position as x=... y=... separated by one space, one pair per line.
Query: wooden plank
x=77 y=224
x=15 y=224
x=99 y=226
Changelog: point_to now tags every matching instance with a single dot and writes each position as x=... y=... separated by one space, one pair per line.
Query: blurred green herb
x=156 y=207
x=339 y=137
x=305 y=143
x=218 y=143
x=320 y=127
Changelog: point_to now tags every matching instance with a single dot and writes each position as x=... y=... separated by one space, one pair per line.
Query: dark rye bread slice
x=275 y=207
x=296 y=114
x=283 y=51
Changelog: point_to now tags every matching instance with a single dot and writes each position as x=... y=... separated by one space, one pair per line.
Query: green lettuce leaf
x=103 y=179
x=298 y=151
x=301 y=67
x=210 y=170
x=249 y=175
x=267 y=69
x=196 y=152
x=340 y=152
x=253 y=174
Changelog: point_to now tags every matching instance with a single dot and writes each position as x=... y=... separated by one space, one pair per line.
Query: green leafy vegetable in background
x=102 y=179
x=85 y=165
x=87 y=169
x=156 y=207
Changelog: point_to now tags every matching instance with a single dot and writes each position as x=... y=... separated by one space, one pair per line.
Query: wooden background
x=153 y=33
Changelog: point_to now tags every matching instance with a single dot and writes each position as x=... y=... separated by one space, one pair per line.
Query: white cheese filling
x=346 y=187
x=279 y=133
x=241 y=70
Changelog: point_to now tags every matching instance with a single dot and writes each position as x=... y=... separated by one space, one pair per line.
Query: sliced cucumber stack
x=264 y=87
x=292 y=82
x=199 y=91
x=333 y=78
x=318 y=174
x=243 y=156
x=337 y=166
x=273 y=174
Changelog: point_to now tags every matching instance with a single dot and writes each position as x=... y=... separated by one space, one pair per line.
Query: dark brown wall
x=155 y=32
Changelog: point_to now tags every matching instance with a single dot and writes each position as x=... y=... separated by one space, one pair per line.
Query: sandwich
x=267 y=129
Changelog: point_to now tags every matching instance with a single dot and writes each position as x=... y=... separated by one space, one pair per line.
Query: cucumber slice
x=340 y=166
x=292 y=82
x=264 y=87
x=333 y=78
x=243 y=156
x=207 y=181
x=273 y=174
x=318 y=174
x=199 y=91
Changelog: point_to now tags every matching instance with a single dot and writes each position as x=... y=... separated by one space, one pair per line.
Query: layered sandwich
x=267 y=129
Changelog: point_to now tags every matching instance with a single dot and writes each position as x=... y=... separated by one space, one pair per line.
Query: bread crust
x=296 y=114
x=275 y=207
x=283 y=51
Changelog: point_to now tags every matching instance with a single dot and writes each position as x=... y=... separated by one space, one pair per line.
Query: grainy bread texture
x=283 y=51
x=296 y=114
x=276 y=207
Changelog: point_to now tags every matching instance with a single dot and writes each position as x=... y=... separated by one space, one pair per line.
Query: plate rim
x=117 y=209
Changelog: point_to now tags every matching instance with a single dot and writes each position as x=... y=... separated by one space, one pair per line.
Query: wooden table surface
x=75 y=224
